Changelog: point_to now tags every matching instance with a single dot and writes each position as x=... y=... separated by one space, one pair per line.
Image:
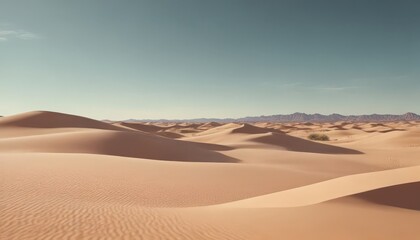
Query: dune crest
x=118 y=143
x=249 y=136
x=46 y=119
x=331 y=189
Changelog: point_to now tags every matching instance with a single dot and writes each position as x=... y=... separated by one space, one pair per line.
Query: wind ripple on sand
x=64 y=218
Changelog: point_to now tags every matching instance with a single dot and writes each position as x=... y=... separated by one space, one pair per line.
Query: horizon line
x=218 y=118
x=256 y=116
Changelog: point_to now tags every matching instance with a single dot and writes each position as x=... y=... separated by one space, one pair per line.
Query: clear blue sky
x=215 y=58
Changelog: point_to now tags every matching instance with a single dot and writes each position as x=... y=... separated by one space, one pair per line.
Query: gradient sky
x=216 y=58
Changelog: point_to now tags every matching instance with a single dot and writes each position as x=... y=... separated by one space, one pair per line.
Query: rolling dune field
x=68 y=177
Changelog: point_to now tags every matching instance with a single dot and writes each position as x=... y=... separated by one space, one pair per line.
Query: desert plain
x=69 y=177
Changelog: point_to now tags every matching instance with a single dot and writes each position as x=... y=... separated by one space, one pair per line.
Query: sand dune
x=250 y=129
x=119 y=143
x=43 y=122
x=402 y=196
x=210 y=125
x=69 y=177
x=395 y=139
x=163 y=131
x=44 y=119
x=332 y=189
x=141 y=127
x=345 y=218
x=300 y=145
x=251 y=136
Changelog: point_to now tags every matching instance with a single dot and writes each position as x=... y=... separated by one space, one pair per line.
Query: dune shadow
x=132 y=144
x=213 y=147
x=153 y=129
x=168 y=150
x=296 y=144
x=380 y=131
x=188 y=131
x=338 y=127
x=402 y=196
x=186 y=156
x=169 y=134
x=142 y=127
x=392 y=130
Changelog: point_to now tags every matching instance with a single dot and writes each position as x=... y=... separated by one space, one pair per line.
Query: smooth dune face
x=43 y=119
x=118 y=143
x=69 y=177
x=333 y=189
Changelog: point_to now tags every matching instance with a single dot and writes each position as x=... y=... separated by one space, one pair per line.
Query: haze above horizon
x=223 y=59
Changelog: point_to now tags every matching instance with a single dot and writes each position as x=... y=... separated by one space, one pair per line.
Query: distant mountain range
x=300 y=117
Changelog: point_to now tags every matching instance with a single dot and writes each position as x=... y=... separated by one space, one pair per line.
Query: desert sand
x=69 y=177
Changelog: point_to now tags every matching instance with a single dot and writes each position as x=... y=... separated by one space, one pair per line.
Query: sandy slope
x=45 y=119
x=332 y=189
x=69 y=177
x=246 y=135
x=119 y=143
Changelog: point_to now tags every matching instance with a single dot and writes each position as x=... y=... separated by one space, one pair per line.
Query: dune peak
x=49 y=119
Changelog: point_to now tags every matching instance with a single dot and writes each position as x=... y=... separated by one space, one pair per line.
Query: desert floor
x=70 y=177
